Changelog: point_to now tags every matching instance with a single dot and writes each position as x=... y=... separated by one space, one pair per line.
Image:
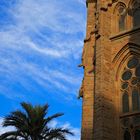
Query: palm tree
x=32 y=124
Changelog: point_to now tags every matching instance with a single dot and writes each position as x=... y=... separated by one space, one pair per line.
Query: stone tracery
x=130 y=91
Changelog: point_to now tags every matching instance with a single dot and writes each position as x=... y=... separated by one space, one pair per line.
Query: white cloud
x=57 y=16
x=44 y=47
x=57 y=24
x=76 y=131
x=42 y=16
x=5 y=129
x=49 y=78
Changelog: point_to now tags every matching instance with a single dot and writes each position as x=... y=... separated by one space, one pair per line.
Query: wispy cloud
x=67 y=125
x=43 y=43
x=57 y=16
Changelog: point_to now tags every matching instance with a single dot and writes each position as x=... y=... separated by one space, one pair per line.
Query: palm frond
x=28 y=108
x=19 y=114
x=11 y=120
x=50 y=118
x=32 y=124
x=10 y=135
x=58 y=133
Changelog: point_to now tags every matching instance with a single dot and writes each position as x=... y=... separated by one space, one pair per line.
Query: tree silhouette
x=32 y=124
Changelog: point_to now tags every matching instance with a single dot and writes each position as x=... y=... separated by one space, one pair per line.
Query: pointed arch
x=134 y=11
x=117 y=6
x=130 y=49
x=120 y=16
x=131 y=3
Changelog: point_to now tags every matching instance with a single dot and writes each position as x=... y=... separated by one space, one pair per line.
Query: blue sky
x=40 y=48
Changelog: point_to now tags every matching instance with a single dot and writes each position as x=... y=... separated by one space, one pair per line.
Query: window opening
x=122 y=17
x=127 y=135
x=125 y=103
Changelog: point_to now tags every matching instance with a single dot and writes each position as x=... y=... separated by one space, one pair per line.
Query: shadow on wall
x=130 y=74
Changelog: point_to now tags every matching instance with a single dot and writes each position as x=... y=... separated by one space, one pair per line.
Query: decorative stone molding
x=125 y=33
x=95 y=31
x=106 y=3
x=81 y=91
x=124 y=53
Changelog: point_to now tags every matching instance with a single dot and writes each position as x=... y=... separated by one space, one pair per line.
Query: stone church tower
x=111 y=60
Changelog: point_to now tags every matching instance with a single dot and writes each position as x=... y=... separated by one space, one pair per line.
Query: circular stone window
x=132 y=63
x=138 y=71
x=124 y=85
x=126 y=75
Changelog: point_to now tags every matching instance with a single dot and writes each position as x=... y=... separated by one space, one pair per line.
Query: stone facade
x=112 y=41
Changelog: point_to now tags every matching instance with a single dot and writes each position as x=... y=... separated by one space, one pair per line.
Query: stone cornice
x=125 y=33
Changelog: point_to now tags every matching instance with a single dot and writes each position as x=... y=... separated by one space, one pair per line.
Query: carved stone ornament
x=81 y=91
x=106 y=3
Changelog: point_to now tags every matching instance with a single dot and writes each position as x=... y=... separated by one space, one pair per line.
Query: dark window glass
x=132 y=63
x=124 y=85
x=136 y=17
x=122 y=23
x=127 y=135
x=137 y=134
x=125 y=122
x=127 y=75
x=134 y=81
x=125 y=103
x=136 y=120
x=122 y=15
x=138 y=71
x=135 y=100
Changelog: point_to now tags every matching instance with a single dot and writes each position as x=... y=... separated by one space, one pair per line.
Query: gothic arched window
x=127 y=135
x=121 y=17
x=135 y=13
x=130 y=82
x=130 y=95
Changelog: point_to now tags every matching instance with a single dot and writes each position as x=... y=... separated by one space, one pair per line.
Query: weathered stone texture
x=104 y=52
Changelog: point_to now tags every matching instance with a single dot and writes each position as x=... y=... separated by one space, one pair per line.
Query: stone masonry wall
x=88 y=81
